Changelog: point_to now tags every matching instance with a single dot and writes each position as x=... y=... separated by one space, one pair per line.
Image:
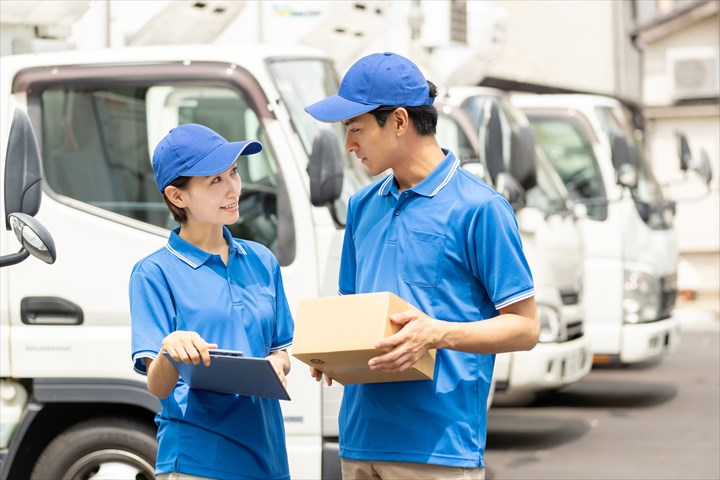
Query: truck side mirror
x=625 y=161
x=325 y=168
x=34 y=238
x=684 y=151
x=494 y=143
x=627 y=175
x=509 y=188
x=523 y=165
x=23 y=174
x=703 y=167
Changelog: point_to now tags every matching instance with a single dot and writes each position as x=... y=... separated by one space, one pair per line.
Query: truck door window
x=455 y=139
x=300 y=83
x=98 y=144
x=616 y=121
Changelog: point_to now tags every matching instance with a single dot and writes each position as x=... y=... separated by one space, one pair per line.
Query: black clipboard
x=231 y=372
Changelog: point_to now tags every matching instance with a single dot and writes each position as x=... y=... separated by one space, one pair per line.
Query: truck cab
x=494 y=141
x=65 y=355
x=631 y=253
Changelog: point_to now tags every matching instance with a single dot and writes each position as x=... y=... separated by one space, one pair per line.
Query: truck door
x=97 y=128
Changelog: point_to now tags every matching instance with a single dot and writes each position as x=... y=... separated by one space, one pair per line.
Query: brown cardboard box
x=337 y=335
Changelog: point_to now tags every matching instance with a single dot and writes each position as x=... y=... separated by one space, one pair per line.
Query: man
x=441 y=239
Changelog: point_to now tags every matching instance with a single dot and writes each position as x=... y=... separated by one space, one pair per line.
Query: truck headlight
x=641 y=297
x=552 y=328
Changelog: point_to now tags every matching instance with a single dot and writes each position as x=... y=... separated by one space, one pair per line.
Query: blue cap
x=379 y=79
x=193 y=150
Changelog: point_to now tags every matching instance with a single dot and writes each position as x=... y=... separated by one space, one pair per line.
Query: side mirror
x=684 y=152
x=509 y=188
x=493 y=143
x=703 y=168
x=325 y=168
x=522 y=156
x=627 y=175
x=23 y=175
x=623 y=153
x=34 y=238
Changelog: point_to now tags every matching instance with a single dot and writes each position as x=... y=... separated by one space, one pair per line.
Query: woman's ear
x=176 y=196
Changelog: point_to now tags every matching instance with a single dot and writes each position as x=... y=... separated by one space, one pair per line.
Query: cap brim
x=337 y=108
x=220 y=159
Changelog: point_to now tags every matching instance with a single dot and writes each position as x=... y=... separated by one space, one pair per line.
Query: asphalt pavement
x=655 y=420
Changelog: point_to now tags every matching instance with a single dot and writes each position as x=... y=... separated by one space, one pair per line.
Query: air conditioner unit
x=694 y=72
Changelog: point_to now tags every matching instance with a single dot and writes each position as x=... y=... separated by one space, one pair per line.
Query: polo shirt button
x=397 y=212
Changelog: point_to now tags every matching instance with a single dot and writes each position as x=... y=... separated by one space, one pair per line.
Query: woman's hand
x=182 y=346
x=281 y=363
x=187 y=347
x=317 y=375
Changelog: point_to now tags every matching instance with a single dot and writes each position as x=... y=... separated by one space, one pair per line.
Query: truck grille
x=574 y=330
x=668 y=288
x=569 y=297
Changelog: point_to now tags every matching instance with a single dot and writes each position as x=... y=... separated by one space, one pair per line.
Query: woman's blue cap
x=192 y=150
x=379 y=79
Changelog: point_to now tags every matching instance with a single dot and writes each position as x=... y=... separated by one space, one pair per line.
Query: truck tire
x=100 y=449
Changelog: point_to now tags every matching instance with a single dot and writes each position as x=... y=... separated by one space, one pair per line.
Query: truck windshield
x=547 y=195
x=305 y=81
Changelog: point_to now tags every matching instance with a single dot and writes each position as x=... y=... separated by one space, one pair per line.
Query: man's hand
x=419 y=333
x=187 y=347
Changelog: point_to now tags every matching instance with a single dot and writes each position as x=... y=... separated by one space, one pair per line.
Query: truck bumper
x=549 y=366
x=645 y=341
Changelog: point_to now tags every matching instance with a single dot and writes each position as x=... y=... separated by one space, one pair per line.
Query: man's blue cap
x=379 y=79
x=193 y=150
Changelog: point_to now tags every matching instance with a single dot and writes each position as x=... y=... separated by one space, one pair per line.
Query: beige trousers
x=180 y=476
x=360 y=470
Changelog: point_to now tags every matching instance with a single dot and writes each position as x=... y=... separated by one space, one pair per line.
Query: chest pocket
x=422 y=259
x=260 y=325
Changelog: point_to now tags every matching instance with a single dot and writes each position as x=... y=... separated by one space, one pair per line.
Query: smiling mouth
x=232 y=205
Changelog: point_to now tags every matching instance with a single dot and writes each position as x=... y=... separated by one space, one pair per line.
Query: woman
x=207 y=290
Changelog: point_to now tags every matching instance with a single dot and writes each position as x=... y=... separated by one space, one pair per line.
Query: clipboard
x=231 y=372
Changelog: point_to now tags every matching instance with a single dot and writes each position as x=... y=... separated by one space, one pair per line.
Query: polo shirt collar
x=194 y=256
x=430 y=185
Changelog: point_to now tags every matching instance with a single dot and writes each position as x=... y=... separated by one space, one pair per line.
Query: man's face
x=375 y=146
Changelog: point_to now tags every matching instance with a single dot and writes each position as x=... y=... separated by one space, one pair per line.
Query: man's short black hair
x=424 y=118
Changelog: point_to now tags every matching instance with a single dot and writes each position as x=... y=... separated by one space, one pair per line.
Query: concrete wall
x=698 y=210
x=658 y=84
x=561 y=43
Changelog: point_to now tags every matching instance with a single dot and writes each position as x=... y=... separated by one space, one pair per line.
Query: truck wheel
x=100 y=449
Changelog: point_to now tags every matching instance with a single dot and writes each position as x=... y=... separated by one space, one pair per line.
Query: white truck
x=631 y=252
x=493 y=140
x=71 y=405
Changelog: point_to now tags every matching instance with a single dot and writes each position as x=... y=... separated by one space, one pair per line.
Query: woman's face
x=213 y=199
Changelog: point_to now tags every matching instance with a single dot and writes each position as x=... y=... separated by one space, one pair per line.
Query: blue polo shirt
x=449 y=246
x=240 y=306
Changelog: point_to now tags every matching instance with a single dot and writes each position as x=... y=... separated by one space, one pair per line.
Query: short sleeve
x=348 y=263
x=153 y=316
x=497 y=256
x=284 y=325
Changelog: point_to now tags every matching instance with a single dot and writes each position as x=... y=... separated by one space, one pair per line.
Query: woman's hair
x=178 y=213
x=424 y=117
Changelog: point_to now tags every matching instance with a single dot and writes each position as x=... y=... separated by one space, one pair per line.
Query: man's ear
x=402 y=120
x=175 y=195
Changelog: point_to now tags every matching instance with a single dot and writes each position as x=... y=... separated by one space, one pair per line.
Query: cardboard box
x=337 y=335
